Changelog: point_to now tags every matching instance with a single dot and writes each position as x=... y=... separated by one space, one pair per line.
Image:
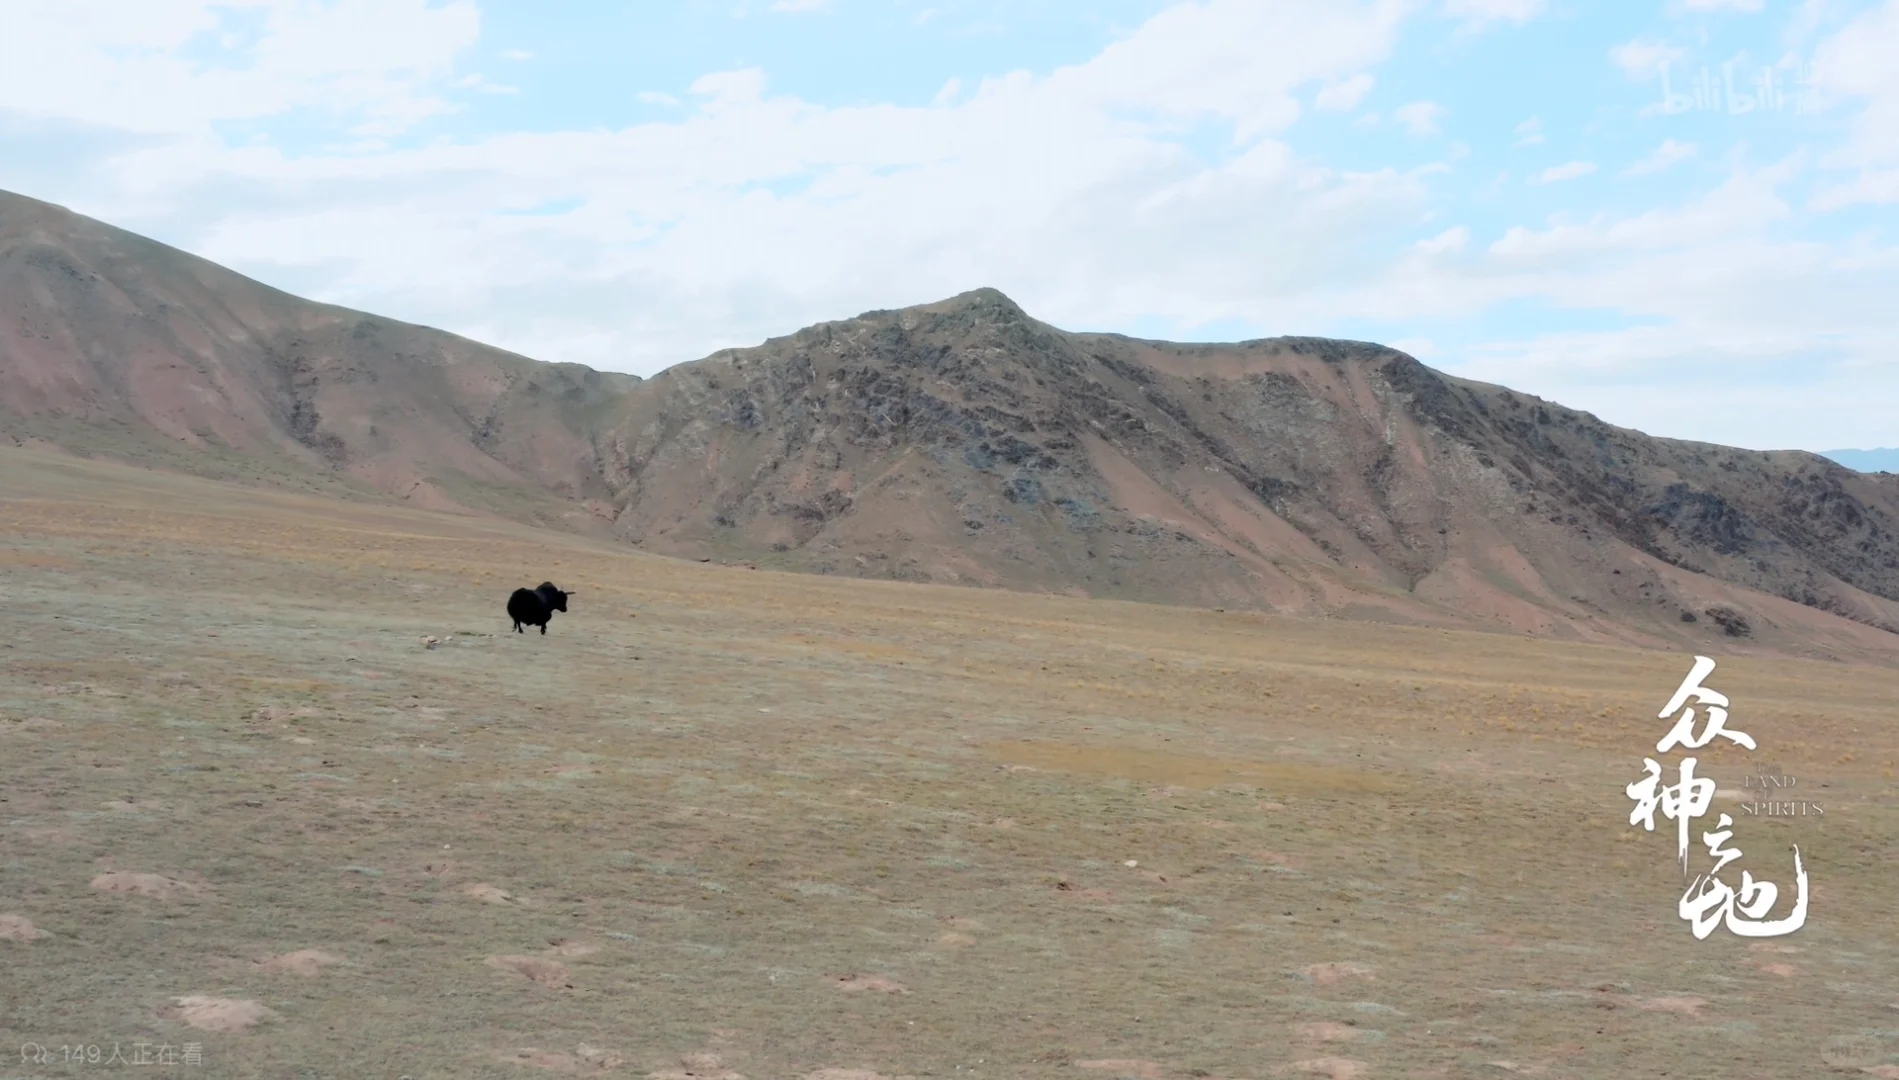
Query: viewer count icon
x=141 y=1053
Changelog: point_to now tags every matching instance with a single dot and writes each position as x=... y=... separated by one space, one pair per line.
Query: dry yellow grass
x=731 y=823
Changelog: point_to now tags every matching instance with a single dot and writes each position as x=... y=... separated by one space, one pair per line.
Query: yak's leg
x=543 y=629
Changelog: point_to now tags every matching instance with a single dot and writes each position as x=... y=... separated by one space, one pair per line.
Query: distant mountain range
x=1885 y=459
x=966 y=442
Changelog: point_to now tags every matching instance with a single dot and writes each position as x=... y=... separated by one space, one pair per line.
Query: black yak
x=534 y=607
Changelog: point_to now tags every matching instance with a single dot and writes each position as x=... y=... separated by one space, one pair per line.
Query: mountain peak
x=986 y=296
x=985 y=304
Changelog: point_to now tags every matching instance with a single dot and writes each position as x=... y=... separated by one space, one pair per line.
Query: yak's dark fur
x=534 y=607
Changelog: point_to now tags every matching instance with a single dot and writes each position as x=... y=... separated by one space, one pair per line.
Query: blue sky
x=1503 y=187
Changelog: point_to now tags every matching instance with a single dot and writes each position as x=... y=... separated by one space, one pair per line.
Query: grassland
x=733 y=823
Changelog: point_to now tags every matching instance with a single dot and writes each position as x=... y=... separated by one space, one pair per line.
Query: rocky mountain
x=966 y=442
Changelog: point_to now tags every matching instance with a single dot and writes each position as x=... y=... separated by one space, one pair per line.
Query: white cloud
x=1722 y=5
x=1666 y=156
x=516 y=54
x=749 y=213
x=117 y=65
x=948 y=94
x=1420 y=117
x=1698 y=381
x=1644 y=59
x=1871 y=187
x=1450 y=240
x=798 y=7
x=1570 y=171
x=1483 y=11
x=753 y=213
x=1747 y=202
x=1176 y=64
x=481 y=85
x=1344 y=95
x=654 y=97
x=725 y=90
x=1529 y=132
x=1854 y=67
x=1743 y=337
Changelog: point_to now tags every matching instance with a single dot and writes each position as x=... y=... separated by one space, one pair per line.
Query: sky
x=1675 y=214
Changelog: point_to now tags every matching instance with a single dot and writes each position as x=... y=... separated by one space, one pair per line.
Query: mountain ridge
x=965 y=441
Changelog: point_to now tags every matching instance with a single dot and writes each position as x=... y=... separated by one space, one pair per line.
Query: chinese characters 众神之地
x=1709 y=901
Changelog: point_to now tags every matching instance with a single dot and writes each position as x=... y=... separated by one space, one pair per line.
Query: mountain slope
x=966 y=442
x=105 y=332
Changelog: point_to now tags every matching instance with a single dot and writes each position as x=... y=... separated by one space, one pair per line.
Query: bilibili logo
x=1710 y=901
